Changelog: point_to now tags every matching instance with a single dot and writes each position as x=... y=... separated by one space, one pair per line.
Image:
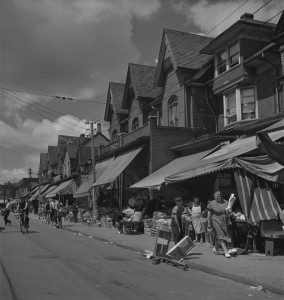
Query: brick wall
x=161 y=139
x=266 y=94
x=202 y=116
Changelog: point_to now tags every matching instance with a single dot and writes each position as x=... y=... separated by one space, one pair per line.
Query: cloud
x=73 y=48
x=28 y=138
x=206 y=15
x=38 y=135
x=13 y=175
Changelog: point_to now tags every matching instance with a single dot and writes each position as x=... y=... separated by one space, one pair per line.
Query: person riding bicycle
x=54 y=210
x=24 y=208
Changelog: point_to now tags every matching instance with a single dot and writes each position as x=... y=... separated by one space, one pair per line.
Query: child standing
x=196 y=214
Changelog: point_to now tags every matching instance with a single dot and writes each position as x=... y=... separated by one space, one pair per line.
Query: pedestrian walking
x=176 y=224
x=7 y=212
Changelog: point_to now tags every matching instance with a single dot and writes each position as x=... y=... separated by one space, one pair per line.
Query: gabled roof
x=246 y=24
x=72 y=150
x=52 y=155
x=114 y=100
x=182 y=48
x=85 y=153
x=280 y=26
x=43 y=161
x=140 y=79
x=63 y=140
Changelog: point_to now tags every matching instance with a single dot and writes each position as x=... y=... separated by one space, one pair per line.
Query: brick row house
x=204 y=94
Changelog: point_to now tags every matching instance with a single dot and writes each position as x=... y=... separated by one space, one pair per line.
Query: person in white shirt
x=7 y=212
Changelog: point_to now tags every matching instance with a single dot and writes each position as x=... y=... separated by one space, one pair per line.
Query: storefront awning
x=51 y=188
x=36 y=194
x=157 y=178
x=117 y=166
x=223 y=159
x=84 y=188
x=277 y=126
x=65 y=188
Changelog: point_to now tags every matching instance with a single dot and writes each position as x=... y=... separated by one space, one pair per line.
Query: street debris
x=147 y=253
x=258 y=288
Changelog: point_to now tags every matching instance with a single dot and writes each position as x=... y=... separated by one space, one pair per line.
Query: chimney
x=246 y=16
x=99 y=127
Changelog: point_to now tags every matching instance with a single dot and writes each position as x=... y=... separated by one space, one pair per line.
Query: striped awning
x=85 y=187
x=157 y=178
x=256 y=197
x=42 y=189
x=65 y=188
x=117 y=167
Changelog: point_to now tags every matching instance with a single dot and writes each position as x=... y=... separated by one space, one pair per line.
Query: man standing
x=7 y=212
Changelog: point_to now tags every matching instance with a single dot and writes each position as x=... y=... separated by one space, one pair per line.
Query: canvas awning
x=117 y=166
x=36 y=194
x=51 y=188
x=277 y=126
x=222 y=159
x=157 y=178
x=84 y=188
x=65 y=188
x=256 y=197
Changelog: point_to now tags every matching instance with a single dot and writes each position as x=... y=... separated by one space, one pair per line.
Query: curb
x=198 y=267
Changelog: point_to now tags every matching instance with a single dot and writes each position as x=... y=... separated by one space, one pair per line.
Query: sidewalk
x=252 y=269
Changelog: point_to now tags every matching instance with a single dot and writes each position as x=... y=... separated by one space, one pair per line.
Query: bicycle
x=23 y=223
x=47 y=217
x=59 y=219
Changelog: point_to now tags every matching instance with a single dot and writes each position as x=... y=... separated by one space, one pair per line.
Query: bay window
x=240 y=105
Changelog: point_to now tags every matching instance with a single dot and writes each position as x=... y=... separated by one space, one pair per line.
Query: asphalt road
x=50 y=263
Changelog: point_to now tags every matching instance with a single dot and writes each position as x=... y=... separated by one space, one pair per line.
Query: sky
x=73 y=49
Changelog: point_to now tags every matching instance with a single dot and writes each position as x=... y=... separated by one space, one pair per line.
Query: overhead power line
x=41 y=114
x=52 y=96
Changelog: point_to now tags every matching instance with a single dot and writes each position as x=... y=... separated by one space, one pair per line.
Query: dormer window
x=172 y=111
x=234 y=55
x=135 y=124
x=114 y=136
x=227 y=58
x=222 y=62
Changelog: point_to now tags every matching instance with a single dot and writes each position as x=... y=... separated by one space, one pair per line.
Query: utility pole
x=94 y=192
x=39 y=190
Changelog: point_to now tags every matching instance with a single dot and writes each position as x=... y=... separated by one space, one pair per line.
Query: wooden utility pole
x=39 y=190
x=94 y=192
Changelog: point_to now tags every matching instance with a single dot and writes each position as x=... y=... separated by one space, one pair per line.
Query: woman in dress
x=196 y=214
x=218 y=218
x=176 y=223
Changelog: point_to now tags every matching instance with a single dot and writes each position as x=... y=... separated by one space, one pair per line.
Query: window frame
x=135 y=124
x=173 y=114
x=114 y=135
x=227 y=62
x=239 y=108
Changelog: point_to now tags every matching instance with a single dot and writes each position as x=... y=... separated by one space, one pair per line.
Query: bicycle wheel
x=23 y=226
x=60 y=222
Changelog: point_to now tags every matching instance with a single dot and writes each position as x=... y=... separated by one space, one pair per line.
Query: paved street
x=50 y=263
